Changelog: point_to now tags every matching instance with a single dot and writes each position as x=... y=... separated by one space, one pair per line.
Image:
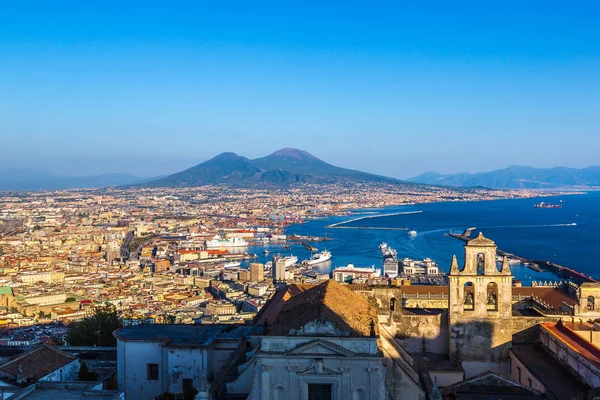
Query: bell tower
x=480 y=308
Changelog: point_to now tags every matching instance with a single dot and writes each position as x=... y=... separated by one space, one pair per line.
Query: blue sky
x=391 y=88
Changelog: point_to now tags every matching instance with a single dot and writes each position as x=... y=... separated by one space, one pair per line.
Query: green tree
x=95 y=330
x=70 y=299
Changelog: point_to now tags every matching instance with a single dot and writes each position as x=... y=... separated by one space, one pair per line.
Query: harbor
x=536 y=265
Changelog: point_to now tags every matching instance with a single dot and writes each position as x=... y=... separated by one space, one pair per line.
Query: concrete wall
x=69 y=373
x=421 y=333
x=526 y=375
x=185 y=363
x=575 y=362
x=133 y=358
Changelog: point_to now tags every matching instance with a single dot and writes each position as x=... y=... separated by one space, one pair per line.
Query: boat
x=412 y=233
x=266 y=252
x=218 y=242
x=383 y=246
x=547 y=205
x=286 y=247
x=290 y=260
x=319 y=258
x=233 y=264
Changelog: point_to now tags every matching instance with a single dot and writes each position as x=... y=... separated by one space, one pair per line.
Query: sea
x=569 y=236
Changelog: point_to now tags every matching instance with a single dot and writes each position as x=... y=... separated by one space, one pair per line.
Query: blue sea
x=515 y=225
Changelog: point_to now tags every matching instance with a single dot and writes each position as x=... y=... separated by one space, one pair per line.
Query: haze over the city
x=395 y=90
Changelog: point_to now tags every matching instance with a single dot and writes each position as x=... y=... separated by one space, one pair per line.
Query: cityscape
x=303 y=201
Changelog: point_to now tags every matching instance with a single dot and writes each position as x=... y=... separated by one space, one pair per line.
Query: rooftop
x=481 y=240
x=36 y=364
x=183 y=335
x=329 y=301
x=548 y=371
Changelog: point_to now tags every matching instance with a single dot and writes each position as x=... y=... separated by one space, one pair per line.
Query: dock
x=308 y=246
x=536 y=265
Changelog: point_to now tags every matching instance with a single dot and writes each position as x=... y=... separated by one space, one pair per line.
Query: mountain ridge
x=516 y=177
x=283 y=167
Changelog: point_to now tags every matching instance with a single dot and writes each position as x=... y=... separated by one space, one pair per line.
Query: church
x=482 y=335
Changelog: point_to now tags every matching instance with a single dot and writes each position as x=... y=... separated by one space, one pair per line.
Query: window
x=480 y=264
x=468 y=294
x=152 y=372
x=590 y=305
x=320 y=391
x=519 y=373
x=393 y=304
x=280 y=393
x=187 y=384
x=529 y=381
x=492 y=296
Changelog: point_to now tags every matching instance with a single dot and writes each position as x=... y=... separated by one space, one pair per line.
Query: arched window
x=359 y=394
x=279 y=393
x=591 y=304
x=480 y=264
x=492 y=296
x=469 y=297
x=393 y=304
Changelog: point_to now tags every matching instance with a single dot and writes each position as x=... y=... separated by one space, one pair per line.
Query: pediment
x=320 y=347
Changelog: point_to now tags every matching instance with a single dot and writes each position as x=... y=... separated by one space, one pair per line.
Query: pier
x=309 y=247
x=377 y=228
x=557 y=269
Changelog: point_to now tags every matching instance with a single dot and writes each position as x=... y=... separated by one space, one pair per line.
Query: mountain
x=517 y=177
x=283 y=167
x=29 y=180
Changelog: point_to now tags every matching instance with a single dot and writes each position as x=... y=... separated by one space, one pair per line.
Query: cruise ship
x=547 y=205
x=289 y=261
x=217 y=242
x=319 y=258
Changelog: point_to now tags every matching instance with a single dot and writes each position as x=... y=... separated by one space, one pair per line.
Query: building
x=257 y=272
x=279 y=269
x=220 y=308
x=419 y=267
x=350 y=273
x=322 y=344
x=154 y=359
x=390 y=266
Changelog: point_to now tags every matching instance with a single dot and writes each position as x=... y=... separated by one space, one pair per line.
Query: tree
x=95 y=330
x=85 y=374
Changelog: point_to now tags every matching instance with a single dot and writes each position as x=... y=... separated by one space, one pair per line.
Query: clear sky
x=394 y=88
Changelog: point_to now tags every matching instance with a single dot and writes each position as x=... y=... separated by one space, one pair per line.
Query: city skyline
x=395 y=91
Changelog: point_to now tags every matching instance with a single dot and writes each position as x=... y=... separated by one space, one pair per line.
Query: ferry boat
x=218 y=242
x=289 y=261
x=233 y=264
x=319 y=258
x=547 y=205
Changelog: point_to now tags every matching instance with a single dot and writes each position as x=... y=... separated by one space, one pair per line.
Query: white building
x=418 y=267
x=349 y=273
x=154 y=359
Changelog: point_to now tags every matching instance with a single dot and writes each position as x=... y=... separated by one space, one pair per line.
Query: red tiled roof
x=552 y=296
x=273 y=307
x=37 y=363
x=577 y=343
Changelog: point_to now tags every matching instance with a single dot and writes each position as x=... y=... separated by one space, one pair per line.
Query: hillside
x=517 y=177
x=284 y=167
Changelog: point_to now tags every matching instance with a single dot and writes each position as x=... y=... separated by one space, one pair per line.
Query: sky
x=393 y=88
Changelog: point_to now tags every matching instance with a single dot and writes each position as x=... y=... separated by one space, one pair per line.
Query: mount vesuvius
x=284 y=167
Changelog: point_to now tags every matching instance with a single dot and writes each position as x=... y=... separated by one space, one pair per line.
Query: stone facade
x=480 y=306
x=289 y=367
